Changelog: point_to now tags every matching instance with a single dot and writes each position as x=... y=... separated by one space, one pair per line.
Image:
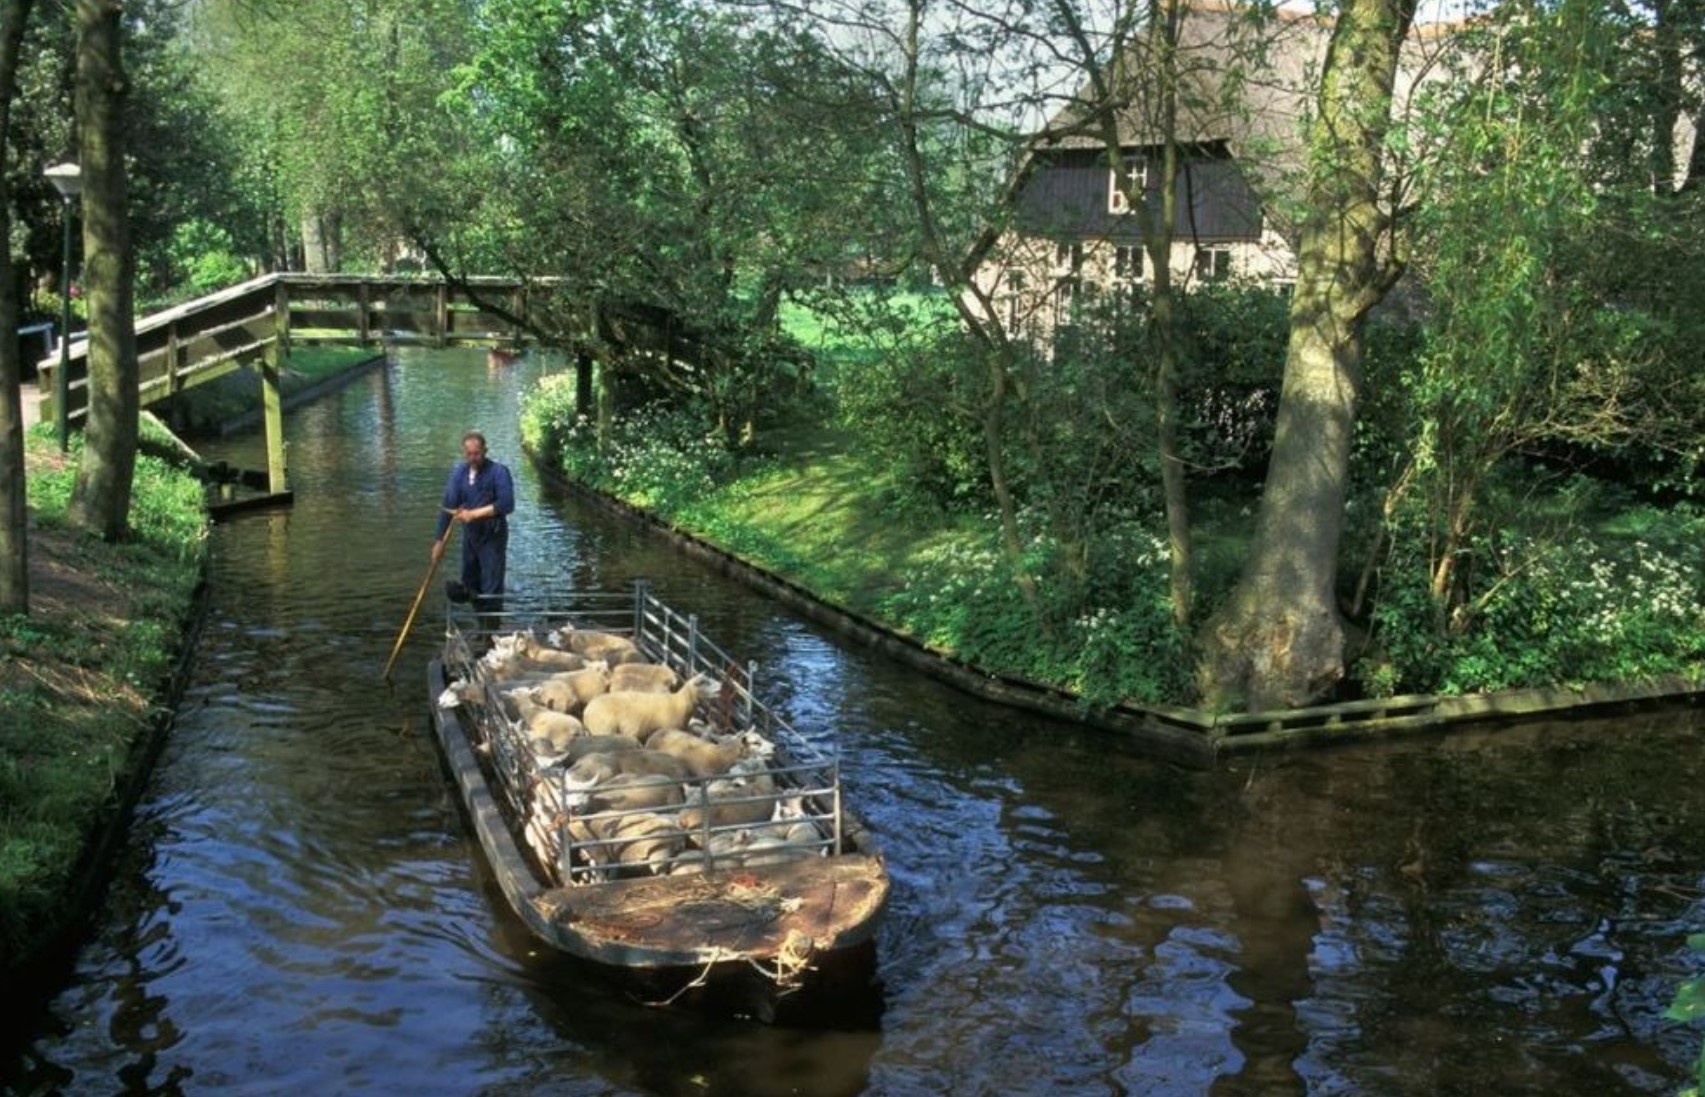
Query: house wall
x=1033 y=283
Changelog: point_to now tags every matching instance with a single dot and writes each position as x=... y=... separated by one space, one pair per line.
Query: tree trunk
x=322 y=242
x=1164 y=46
x=1278 y=642
x=100 y=500
x=14 y=512
x=1152 y=78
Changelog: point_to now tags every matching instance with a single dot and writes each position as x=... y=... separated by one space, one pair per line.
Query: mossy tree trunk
x=100 y=500
x=14 y=531
x=1278 y=642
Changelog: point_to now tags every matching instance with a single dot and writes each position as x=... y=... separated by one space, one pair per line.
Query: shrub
x=1115 y=641
x=657 y=457
x=1545 y=612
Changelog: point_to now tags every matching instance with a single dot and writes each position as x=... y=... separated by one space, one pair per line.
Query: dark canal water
x=300 y=909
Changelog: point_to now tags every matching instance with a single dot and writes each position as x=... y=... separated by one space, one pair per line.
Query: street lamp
x=67 y=179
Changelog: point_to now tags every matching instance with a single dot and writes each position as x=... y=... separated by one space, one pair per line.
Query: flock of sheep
x=619 y=769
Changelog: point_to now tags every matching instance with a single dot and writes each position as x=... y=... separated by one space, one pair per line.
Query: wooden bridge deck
x=257 y=322
x=197 y=342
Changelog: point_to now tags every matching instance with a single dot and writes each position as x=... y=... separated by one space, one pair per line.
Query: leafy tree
x=181 y=158
x=697 y=161
x=336 y=104
x=1536 y=347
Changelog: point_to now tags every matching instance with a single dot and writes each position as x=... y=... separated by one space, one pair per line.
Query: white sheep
x=705 y=757
x=746 y=795
x=644 y=838
x=593 y=770
x=557 y=728
x=596 y=645
x=531 y=648
x=599 y=744
x=465 y=690
x=643 y=678
x=629 y=792
x=569 y=691
x=640 y=714
x=790 y=825
x=543 y=829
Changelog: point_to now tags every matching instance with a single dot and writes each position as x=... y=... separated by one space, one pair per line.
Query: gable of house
x=1245 y=85
x=1074 y=193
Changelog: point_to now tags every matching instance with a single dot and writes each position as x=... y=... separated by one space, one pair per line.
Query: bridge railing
x=205 y=339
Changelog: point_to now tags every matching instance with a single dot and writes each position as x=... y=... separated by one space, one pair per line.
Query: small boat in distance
x=740 y=878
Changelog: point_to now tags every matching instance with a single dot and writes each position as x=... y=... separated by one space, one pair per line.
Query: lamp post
x=67 y=179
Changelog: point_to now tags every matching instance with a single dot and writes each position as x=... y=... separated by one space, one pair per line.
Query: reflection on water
x=300 y=907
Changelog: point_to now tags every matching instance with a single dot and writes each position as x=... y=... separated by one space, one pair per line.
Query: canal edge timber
x=1188 y=736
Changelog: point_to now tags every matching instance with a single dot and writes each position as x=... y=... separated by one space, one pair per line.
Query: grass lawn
x=821 y=513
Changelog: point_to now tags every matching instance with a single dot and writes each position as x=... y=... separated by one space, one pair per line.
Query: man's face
x=473 y=451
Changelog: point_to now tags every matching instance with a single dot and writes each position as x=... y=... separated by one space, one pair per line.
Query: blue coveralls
x=485 y=541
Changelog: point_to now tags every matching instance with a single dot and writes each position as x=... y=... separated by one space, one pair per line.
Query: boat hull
x=796 y=924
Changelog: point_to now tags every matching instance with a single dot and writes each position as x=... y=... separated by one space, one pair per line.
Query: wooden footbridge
x=254 y=325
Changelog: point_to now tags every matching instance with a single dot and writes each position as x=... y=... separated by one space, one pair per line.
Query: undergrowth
x=79 y=673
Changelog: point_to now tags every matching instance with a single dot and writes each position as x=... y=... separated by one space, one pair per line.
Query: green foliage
x=1573 y=609
x=1231 y=365
x=66 y=732
x=655 y=457
x=205 y=256
x=960 y=596
x=833 y=525
x=1554 y=334
x=914 y=405
x=1689 y=1006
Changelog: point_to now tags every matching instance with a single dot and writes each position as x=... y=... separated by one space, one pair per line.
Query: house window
x=1136 y=180
x=1213 y=264
x=1068 y=256
x=1014 y=300
x=1128 y=263
x=1065 y=298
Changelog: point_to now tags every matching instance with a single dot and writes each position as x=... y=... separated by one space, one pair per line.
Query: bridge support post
x=583 y=383
x=272 y=408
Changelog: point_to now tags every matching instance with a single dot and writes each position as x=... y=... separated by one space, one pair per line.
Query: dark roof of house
x=1246 y=81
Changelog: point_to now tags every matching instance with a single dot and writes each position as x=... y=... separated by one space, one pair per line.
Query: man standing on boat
x=480 y=494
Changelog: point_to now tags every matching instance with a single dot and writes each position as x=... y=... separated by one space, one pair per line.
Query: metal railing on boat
x=796 y=809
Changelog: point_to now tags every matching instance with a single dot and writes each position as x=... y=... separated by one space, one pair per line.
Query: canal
x=299 y=908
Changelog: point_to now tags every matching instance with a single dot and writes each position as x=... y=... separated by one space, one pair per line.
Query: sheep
x=569 y=691
x=629 y=792
x=790 y=824
x=803 y=840
x=705 y=757
x=504 y=670
x=643 y=678
x=464 y=690
x=542 y=832
x=597 y=645
x=593 y=770
x=599 y=744
x=746 y=795
x=558 y=728
x=530 y=648
x=646 y=838
x=640 y=714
